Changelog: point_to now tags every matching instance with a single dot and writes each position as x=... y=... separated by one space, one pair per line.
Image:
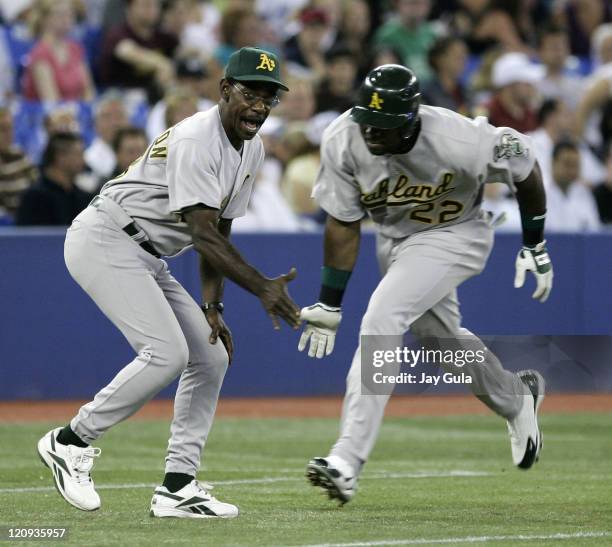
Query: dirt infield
x=312 y=407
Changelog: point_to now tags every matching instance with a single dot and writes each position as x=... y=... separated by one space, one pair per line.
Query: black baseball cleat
x=334 y=475
x=525 y=434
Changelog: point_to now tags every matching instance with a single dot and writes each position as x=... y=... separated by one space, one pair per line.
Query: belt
x=132 y=230
x=125 y=222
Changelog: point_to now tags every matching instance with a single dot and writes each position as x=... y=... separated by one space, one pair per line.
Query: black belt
x=131 y=230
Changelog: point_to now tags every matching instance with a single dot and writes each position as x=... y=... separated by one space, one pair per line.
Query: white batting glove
x=321 y=325
x=536 y=260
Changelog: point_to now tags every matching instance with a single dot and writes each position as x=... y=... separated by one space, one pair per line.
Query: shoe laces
x=82 y=461
x=204 y=489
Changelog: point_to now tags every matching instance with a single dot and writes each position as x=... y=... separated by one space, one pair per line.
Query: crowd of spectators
x=88 y=83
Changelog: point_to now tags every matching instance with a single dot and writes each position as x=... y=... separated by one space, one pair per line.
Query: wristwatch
x=212 y=306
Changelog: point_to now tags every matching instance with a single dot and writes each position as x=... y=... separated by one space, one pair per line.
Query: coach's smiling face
x=244 y=107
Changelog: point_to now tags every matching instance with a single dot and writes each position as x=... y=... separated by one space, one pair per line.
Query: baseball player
x=418 y=172
x=184 y=191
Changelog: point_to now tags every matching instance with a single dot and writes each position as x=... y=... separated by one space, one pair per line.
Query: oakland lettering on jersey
x=158 y=149
x=404 y=193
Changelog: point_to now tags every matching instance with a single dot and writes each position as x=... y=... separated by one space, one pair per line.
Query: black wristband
x=212 y=306
x=331 y=296
x=333 y=284
x=533 y=229
x=532 y=237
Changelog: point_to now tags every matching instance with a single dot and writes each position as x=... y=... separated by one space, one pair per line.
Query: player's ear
x=225 y=90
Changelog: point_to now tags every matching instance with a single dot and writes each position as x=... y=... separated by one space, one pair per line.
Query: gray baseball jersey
x=190 y=163
x=439 y=182
x=432 y=236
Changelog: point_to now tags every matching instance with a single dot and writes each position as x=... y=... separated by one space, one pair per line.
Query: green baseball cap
x=252 y=64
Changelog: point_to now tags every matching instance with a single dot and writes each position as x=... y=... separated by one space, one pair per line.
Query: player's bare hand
x=220 y=330
x=537 y=261
x=277 y=302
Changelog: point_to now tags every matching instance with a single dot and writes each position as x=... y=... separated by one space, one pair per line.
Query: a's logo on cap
x=265 y=63
x=376 y=102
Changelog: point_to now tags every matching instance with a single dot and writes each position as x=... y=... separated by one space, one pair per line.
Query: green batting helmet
x=388 y=98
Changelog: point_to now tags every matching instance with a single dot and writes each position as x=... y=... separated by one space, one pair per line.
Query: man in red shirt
x=513 y=104
x=136 y=54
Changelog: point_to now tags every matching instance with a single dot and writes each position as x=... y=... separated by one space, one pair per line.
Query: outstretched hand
x=277 y=302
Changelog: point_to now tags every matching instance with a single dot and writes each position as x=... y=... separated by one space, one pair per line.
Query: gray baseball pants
x=418 y=294
x=164 y=326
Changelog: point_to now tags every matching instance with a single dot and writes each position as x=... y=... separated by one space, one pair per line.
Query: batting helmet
x=388 y=98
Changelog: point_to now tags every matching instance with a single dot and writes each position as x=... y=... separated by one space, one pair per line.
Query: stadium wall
x=55 y=344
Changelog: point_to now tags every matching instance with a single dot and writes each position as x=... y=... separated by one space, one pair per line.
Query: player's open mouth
x=251 y=125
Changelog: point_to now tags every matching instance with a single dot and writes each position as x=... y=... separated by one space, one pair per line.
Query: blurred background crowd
x=86 y=84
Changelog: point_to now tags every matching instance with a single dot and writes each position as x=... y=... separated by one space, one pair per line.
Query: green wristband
x=335 y=279
x=333 y=283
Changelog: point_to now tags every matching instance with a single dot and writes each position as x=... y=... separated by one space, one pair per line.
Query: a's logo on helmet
x=265 y=63
x=376 y=102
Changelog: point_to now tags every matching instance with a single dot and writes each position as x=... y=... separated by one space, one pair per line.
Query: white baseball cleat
x=192 y=501
x=71 y=466
x=334 y=475
x=525 y=435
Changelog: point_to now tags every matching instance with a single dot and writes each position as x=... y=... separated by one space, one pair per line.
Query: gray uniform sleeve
x=192 y=176
x=336 y=191
x=509 y=155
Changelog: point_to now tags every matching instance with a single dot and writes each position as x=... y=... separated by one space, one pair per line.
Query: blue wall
x=54 y=343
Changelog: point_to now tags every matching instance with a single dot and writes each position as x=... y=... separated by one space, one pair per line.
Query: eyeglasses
x=252 y=99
